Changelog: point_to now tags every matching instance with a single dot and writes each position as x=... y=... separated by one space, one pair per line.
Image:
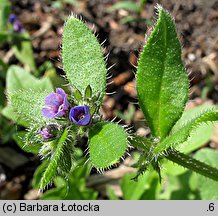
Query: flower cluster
x=56 y=105
x=17 y=26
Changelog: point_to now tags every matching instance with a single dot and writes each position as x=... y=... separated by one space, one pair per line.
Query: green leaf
x=88 y=92
x=133 y=190
x=77 y=95
x=38 y=174
x=28 y=104
x=5 y=9
x=18 y=81
x=52 y=167
x=162 y=82
x=19 y=138
x=24 y=53
x=184 y=133
x=3 y=37
x=82 y=56
x=202 y=134
x=107 y=144
x=111 y=194
x=2 y=96
x=73 y=188
x=206 y=187
x=3 y=69
x=126 y=5
x=177 y=188
x=9 y=113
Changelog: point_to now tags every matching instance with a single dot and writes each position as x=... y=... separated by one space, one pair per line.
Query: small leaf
x=82 y=56
x=184 y=133
x=107 y=144
x=93 y=109
x=162 y=82
x=77 y=95
x=88 y=92
x=126 y=5
x=51 y=170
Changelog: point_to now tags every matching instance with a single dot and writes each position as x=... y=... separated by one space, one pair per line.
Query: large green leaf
x=107 y=144
x=83 y=61
x=18 y=81
x=28 y=104
x=206 y=187
x=182 y=135
x=162 y=82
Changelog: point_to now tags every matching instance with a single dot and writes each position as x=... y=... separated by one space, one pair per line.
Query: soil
x=196 y=22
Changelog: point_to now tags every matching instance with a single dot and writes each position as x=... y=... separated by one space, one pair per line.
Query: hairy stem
x=192 y=164
x=179 y=158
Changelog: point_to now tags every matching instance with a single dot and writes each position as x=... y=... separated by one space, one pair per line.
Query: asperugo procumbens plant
x=57 y=118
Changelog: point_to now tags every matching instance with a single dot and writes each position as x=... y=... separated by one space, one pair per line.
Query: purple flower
x=17 y=26
x=80 y=115
x=12 y=18
x=45 y=132
x=56 y=104
x=49 y=131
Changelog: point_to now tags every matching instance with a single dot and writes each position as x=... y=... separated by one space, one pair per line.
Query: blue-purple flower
x=17 y=26
x=80 y=115
x=56 y=104
x=12 y=18
x=45 y=132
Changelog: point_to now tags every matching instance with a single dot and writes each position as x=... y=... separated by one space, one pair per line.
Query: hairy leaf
x=52 y=167
x=82 y=56
x=32 y=147
x=19 y=80
x=107 y=144
x=28 y=104
x=162 y=82
x=201 y=135
x=184 y=133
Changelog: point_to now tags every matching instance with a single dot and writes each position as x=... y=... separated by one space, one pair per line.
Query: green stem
x=179 y=158
x=192 y=164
